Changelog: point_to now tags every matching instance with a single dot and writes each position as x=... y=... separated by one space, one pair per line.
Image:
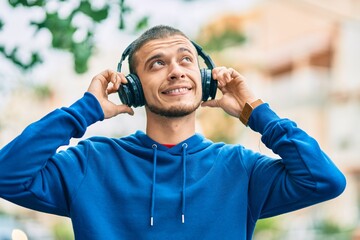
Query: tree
x=62 y=29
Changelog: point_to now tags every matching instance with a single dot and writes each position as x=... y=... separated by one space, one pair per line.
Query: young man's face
x=170 y=76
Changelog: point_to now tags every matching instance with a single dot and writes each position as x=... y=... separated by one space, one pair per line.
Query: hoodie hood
x=195 y=143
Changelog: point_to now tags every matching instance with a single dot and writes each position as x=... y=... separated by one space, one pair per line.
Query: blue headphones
x=132 y=93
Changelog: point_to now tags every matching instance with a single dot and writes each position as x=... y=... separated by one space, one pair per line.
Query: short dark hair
x=156 y=32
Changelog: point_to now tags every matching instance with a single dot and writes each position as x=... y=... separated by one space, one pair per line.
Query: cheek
x=199 y=84
x=149 y=88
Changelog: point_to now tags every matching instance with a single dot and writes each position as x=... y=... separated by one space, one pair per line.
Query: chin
x=173 y=111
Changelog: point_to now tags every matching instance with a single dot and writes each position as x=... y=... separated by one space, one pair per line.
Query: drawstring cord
x=183 y=193
x=184 y=147
x=154 y=146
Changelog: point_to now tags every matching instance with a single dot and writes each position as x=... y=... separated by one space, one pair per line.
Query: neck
x=170 y=130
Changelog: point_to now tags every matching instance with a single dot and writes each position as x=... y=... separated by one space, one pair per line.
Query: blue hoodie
x=136 y=188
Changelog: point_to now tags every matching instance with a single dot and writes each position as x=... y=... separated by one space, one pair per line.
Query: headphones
x=132 y=93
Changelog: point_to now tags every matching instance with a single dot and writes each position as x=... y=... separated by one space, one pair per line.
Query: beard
x=173 y=112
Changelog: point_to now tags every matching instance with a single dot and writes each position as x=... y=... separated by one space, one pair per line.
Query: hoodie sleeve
x=304 y=175
x=29 y=174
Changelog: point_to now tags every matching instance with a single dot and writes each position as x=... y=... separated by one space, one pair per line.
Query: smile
x=177 y=90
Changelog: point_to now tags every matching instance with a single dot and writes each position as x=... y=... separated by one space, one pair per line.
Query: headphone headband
x=208 y=61
x=123 y=56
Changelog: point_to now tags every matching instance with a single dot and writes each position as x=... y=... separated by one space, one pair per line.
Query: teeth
x=178 y=90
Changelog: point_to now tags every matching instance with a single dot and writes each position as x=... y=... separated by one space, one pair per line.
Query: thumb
x=118 y=109
x=125 y=109
x=211 y=103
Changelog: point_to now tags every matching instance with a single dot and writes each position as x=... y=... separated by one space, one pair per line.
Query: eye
x=157 y=63
x=187 y=59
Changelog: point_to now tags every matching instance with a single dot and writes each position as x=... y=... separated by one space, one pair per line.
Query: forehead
x=164 y=44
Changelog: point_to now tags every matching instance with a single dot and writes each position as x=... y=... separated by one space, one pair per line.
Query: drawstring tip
x=183 y=218
x=152 y=221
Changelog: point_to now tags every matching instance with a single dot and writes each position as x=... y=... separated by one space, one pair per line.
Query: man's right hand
x=104 y=84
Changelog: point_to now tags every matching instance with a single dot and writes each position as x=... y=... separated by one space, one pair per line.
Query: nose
x=176 y=72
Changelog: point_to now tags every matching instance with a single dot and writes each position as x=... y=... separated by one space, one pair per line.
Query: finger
x=123 y=79
x=112 y=90
x=222 y=75
x=116 y=110
x=118 y=81
x=236 y=75
x=114 y=81
x=221 y=80
x=107 y=75
x=122 y=108
x=104 y=78
x=216 y=71
x=227 y=74
x=211 y=103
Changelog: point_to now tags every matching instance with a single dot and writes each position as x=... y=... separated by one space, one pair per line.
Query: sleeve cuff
x=261 y=117
x=87 y=109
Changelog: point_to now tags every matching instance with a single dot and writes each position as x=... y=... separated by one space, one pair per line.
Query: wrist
x=247 y=110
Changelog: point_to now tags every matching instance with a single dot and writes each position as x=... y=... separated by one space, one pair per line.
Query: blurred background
x=301 y=56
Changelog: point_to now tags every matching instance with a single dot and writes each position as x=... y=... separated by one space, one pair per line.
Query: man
x=170 y=182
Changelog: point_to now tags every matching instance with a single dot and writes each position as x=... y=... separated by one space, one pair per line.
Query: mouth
x=177 y=91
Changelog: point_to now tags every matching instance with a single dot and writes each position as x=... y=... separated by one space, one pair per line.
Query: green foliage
x=63 y=231
x=42 y=91
x=2 y=213
x=12 y=56
x=266 y=224
x=124 y=10
x=226 y=39
x=328 y=229
x=97 y=16
x=143 y=23
x=267 y=228
x=26 y=3
x=62 y=30
x=82 y=52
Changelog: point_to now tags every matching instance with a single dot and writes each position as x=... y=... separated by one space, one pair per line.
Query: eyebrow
x=182 y=49
x=159 y=55
x=152 y=58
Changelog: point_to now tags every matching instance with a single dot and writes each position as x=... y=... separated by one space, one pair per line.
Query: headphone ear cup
x=139 y=99
x=206 y=83
x=132 y=93
x=213 y=86
x=125 y=94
